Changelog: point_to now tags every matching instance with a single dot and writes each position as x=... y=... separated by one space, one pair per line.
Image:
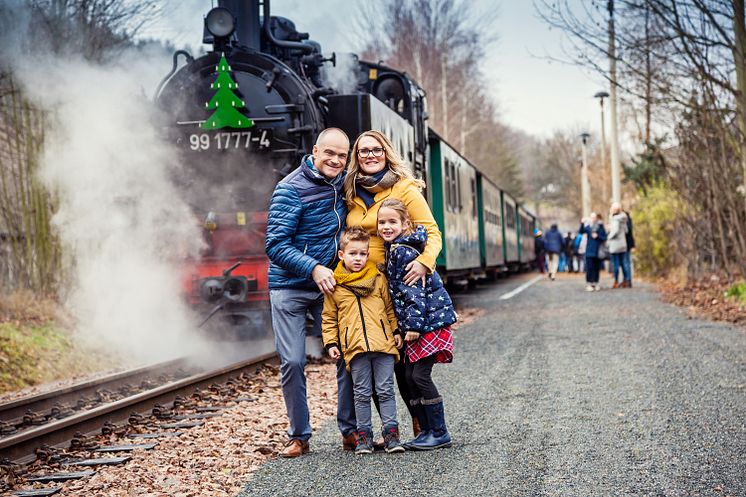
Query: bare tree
x=683 y=69
x=442 y=45
x=30 y=254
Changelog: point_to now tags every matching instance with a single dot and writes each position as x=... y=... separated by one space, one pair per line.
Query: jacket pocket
x=383 y=327
x=346 y=345
x=305 y=248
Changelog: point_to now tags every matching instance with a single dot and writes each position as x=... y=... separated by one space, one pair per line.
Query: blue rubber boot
x=424 y=425
x=437 y=437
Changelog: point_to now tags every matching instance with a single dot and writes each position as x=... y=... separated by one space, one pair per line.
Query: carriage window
x=453 y=195
x=457 y=174
x=474 y=198
x=447 y=185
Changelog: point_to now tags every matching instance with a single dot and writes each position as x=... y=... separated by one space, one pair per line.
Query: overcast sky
x=533 y=94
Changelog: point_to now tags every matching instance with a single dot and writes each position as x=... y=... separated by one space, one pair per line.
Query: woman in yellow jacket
x=375 y=173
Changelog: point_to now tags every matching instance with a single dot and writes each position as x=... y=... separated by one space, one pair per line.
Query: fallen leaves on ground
x=216 y=459
x=705 y=297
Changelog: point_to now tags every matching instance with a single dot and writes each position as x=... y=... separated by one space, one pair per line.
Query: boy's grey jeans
x=289 y=307
x=366 y=368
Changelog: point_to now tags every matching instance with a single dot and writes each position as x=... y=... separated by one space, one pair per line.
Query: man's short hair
x=353 y=234
x=327 y=131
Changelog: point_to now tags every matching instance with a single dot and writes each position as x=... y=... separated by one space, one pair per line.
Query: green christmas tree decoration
x=225 y=102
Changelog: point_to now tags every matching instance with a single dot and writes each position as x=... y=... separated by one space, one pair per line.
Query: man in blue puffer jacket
x=306 y=215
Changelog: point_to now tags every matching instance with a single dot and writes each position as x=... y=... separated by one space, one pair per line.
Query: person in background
x=569 y=251
x=594 y=228
x=553 y=246
x=627 y=257
x=579 y=244
x=617 y=240
x=539 y=250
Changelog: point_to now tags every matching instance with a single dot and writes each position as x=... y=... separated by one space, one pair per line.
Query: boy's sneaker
x=364 y=442
x=391 y=440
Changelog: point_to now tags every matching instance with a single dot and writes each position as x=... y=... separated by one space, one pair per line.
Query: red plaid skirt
x=438 y=342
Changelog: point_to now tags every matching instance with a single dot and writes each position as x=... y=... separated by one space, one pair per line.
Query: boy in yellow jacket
x=359 y=320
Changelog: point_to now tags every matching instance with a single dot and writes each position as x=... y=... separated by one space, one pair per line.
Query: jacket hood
x=417 y=239
x=361 y=283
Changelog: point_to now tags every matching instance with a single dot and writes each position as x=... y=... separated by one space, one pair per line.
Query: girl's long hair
x=395 y=163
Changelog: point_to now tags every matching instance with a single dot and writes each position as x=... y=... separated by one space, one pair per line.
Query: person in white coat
x=617 y=242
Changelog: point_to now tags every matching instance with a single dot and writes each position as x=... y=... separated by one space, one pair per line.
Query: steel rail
x=15 y=409
x=19 y=448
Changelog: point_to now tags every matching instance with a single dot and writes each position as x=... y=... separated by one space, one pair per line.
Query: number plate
x=255 y=139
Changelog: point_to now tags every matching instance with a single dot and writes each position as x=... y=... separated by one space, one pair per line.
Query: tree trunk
x=739 y=57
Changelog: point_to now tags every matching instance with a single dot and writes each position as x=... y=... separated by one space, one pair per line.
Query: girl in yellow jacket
x=358 y=323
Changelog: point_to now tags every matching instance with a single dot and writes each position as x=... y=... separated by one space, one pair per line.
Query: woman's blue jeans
x=618 y=260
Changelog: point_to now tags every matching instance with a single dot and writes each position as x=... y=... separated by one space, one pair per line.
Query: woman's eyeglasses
x=365 y=152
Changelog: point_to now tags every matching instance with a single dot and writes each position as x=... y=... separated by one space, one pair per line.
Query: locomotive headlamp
x=220 y=22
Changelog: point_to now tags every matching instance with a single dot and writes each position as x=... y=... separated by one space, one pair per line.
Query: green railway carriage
x=489 y=200
x=453 y=197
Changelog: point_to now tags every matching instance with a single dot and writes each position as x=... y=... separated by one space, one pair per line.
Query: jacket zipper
x=362 y=319
x=383 y=327
x=339 y=219
x=305 y=249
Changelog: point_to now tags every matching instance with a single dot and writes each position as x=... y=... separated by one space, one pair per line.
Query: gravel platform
x=561 y=392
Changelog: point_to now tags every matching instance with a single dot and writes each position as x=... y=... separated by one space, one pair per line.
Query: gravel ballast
x=557 y=391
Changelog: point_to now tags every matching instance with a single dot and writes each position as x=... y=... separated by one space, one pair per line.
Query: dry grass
x=37 y=344
x=25 y=307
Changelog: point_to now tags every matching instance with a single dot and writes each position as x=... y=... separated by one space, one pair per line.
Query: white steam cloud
x=343 y=75
x=119 y=215
x=122 y=222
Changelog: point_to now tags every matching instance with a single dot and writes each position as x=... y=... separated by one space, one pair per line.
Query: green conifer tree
x=225 y=102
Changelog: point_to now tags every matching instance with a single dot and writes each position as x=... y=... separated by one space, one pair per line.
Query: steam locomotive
x=244 y=114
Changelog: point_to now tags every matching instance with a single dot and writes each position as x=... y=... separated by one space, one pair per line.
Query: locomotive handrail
x=189 y=59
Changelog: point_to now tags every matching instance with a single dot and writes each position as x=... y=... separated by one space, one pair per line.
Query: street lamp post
x=616 y=185
x=585 y=185
x=600 y=96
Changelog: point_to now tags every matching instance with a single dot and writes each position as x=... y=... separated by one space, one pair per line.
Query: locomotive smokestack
x=248 y=28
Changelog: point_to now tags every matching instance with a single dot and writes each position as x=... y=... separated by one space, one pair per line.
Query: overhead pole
x=616 y=183
x=604 y=167
x=585 y=184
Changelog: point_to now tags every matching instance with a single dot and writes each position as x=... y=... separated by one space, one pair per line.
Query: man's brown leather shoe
x=350 y=441
x=295 y=448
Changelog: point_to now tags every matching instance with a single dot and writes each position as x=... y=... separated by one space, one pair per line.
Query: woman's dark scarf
x=378 y=182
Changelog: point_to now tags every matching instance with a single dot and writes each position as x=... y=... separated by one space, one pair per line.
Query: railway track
x=149 y=413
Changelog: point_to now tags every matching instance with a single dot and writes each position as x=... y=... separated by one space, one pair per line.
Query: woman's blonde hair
x=398 y=206
x=393 y=161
